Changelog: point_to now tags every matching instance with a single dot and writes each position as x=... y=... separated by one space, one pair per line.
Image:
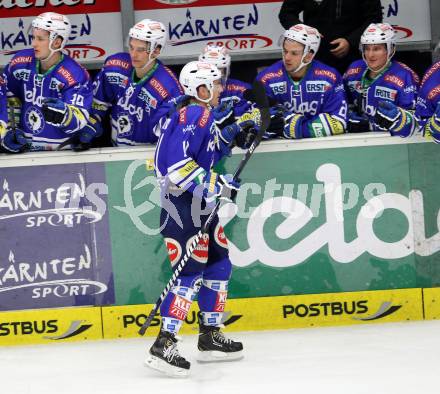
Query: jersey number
x=77 y=99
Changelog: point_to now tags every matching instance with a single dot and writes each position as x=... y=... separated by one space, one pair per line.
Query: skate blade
x=161 y=366
x=216 y=356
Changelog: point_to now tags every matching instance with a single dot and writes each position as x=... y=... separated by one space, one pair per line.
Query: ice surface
x=392 y=358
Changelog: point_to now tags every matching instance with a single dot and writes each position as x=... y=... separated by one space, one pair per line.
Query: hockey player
x=134 y=86
x=189 y=146
x=11 y=139
x=381 y=92
x=233 y=89
x=428 y=104
x=54 y=90
x=310 y=95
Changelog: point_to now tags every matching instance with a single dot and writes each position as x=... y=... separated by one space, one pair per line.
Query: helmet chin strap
x=206 y=101
x=52 y=51
x=381 y=68
x=150 y=59
x=302 y=63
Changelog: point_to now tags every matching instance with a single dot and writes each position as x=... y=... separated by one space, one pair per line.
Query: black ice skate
x=214 y=346
x=164 y=356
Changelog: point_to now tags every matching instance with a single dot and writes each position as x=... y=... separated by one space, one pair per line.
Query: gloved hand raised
x=224 y=112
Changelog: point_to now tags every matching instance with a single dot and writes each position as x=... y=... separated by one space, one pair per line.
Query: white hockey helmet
x=195 y=74
x=306 y=35
x=379 y=33
x=150 y=31
x=57 y=25
x=218 y=56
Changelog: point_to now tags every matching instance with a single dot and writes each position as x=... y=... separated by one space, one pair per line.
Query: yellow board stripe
x=242 y=314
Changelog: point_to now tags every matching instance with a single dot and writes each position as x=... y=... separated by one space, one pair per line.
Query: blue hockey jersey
x=135 y=106
x=188 y=147
x=397 y=84
x=67 y=80
x=235 y=89
x=427 y=102
x=3 y=107
x=319 y=96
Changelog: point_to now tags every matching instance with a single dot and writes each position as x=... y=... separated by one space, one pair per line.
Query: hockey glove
x=221 y=187
x=431 y=128
x=357 y=123
x=13 y=141
x=293 y=127
x=55 y=111
x=277 y=122
x=176 y=103
x=245 y=137
x=224 y=112
x=387 y=115
x=84 y=137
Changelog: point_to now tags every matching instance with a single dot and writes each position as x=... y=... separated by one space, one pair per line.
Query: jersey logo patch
x=325 y=73
x=125 y=126
x=179 y=308
x=279 y=87
x=67 y=76
x=235 y=88
x=434 y=92
x=182 y=115
x=21 y=60
x=431 y=71
x=352 y=71
x=159 y=88
x=385 y=93
x=117 y=63
x=204 y=118
x=174 y=250
x=395 y=80
x=268 y=76
x=200 y=253
x=220 y=302
x=220 y=237
x=317 y=87
x=34 y=120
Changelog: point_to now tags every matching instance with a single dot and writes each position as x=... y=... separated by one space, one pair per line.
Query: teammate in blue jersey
x=135 y=87
x=310 y=96
x=233 y=90
x=189 y=146
x=428 y=104
x=381 y=92
x=3 y=110
x=54 y=91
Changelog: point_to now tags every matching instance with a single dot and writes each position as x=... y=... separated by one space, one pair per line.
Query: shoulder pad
x=432 y=70
x=22 y=57
x=413 y=73
x=119 y=61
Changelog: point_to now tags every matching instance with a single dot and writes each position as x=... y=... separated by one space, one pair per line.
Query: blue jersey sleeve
x=112 y=77
x=3 y=108
x=79 y=99
x=428 y=102
x=332 y=119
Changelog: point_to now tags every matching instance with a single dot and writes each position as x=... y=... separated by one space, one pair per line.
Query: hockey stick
x=263 y=105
